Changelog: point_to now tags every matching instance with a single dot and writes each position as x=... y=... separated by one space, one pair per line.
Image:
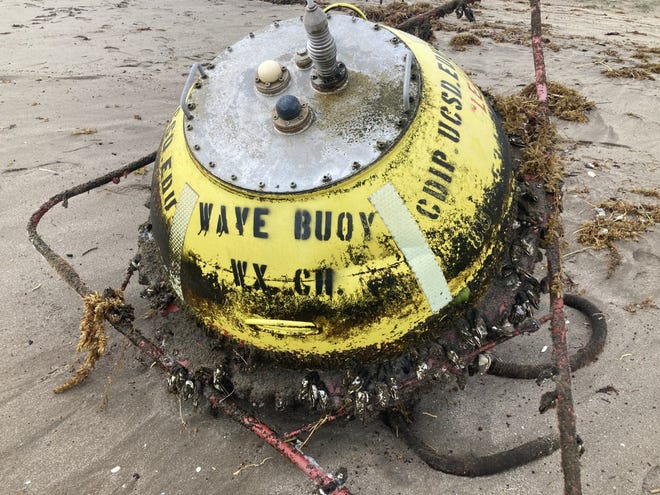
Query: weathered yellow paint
x=375 y=301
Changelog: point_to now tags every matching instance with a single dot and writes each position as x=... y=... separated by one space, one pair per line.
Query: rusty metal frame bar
x=326 y=483
x=566 y=417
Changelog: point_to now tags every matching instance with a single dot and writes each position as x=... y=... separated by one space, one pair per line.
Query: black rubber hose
x=584 y=356
x=472 y=465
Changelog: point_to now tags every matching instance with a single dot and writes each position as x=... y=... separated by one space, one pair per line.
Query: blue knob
x=288 y=107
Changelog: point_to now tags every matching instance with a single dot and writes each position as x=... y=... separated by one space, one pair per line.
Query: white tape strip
x=185 y=206
x=410 y=240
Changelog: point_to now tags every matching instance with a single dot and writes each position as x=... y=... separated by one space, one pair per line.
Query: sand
x=85 y=89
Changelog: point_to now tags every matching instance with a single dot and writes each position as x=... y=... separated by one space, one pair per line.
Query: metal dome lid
x=259 y=122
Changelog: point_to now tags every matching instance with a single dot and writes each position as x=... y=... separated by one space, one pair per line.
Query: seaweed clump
x=649 y=193
x=419 y=19
x=645 y=53
x=395 y=14
x=461 y=41
x=537 y=135
x=564 y=102
x=93 y=339
x=639 y=71
x=617 y=220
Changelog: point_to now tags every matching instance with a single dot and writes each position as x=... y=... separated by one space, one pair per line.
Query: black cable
x=584 y=356
x=472 y=465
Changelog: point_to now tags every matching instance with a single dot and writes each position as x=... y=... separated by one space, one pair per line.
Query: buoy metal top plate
x=231 y=133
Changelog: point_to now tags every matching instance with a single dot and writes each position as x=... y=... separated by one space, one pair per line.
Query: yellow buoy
x=335 y=216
